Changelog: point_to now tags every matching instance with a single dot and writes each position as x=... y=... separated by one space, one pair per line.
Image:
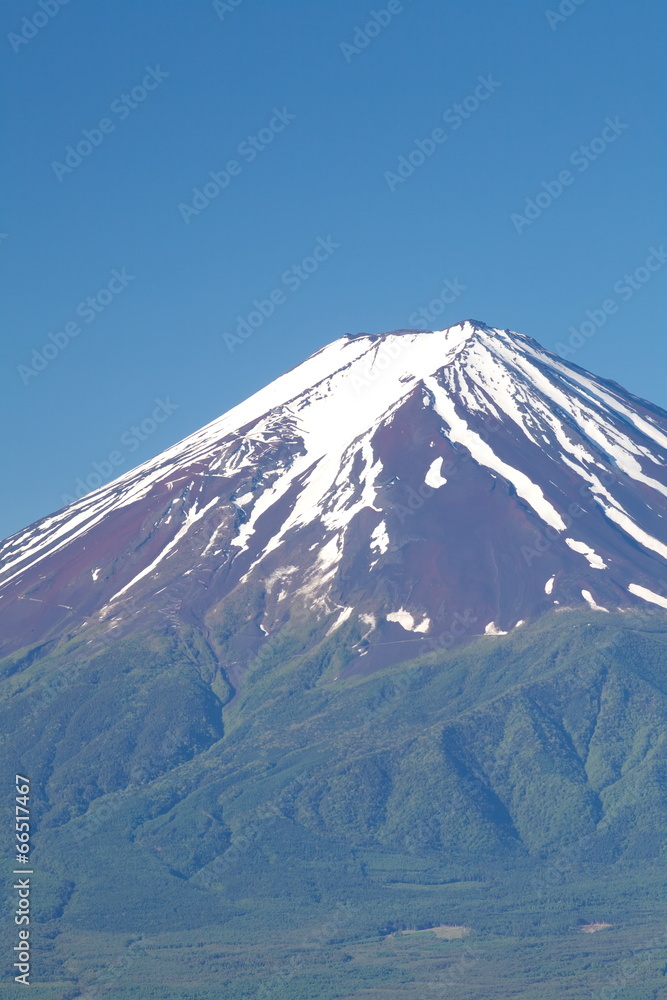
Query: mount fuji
x=431 y=485
x=381 y=649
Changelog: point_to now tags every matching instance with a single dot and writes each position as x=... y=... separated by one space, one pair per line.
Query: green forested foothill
x=192 y=841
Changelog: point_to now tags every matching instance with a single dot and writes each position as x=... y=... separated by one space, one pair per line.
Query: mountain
x=358 y=692
x=428 y=484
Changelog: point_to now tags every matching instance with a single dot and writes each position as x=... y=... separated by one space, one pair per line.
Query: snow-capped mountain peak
x=408 y=477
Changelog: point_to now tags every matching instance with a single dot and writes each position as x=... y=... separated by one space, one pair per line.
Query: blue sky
x=369 y=161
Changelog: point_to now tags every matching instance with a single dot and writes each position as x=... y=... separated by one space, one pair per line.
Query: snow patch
x=212 y=540
x=406 y=620
x=282 y=575
x=615 y=513
x=590 y=601
x=647 y=595
x=491 y=629
x=380 y=538
x=594 y=560
x=367 y=620
x=343 y=617
x=434 y=477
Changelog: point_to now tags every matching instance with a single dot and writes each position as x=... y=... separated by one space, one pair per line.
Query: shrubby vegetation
x=197 y=842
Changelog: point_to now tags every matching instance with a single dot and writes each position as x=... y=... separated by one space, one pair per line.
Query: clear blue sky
x=341 y=107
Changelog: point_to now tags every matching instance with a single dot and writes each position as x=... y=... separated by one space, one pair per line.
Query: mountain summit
x=428 y=484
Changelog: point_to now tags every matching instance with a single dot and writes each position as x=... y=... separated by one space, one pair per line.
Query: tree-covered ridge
x=196 y=840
